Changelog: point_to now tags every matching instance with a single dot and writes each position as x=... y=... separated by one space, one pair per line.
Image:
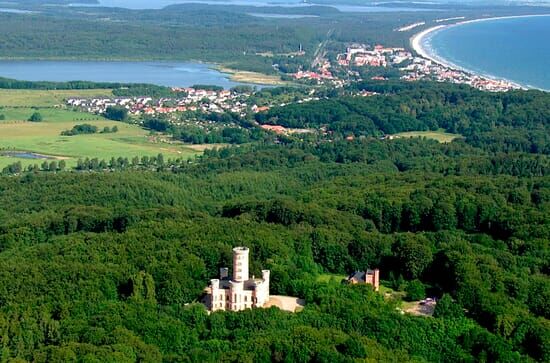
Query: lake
x=168 y=74
x=517 y=49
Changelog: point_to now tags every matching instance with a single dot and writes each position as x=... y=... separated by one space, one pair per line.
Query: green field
x=39 y=98
x=440 y=136
x=44 y=137
x=330 y=277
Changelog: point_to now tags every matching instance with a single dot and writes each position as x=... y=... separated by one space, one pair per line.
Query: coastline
x=417 y=39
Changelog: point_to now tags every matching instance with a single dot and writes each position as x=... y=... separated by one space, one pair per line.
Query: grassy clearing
x=19 y=114
x=45 y=137
x=330 y=277
x=202 y=147
x=40 y=98
x=441 y=136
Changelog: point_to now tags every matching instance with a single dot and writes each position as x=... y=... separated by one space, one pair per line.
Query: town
x=411 y=68
x=186 y=99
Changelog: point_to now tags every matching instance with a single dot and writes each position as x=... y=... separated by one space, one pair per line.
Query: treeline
x=229 y=135
x=120 y=163
x=119 y=89
x=17 y=167
x=86 y=129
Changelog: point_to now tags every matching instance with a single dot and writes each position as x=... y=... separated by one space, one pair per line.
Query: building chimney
x=224 y=273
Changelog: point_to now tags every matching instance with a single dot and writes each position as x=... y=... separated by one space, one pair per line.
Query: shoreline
x=253 y=78
x=417 y=39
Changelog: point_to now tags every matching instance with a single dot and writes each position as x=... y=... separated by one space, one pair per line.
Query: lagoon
x=168 y=74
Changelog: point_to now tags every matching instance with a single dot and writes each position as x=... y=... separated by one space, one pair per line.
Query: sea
x=516 y=49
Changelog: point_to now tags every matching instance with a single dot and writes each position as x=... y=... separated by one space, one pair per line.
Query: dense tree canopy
x=109 y=262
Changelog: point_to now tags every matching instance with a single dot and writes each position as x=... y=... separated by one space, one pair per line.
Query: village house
x=370 y=277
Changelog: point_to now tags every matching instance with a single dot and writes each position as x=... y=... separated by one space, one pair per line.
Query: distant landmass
x=54 y=2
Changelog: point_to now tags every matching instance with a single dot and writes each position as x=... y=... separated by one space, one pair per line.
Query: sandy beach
x=417 y=40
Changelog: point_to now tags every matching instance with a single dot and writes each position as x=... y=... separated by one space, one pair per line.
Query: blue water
x=159 y=73
x=281 y=16
x=517 y=49
x=25 y=155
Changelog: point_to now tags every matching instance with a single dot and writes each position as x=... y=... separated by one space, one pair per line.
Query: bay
x=516 y=49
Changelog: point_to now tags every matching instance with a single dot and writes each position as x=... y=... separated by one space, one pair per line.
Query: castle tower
x=240 y=264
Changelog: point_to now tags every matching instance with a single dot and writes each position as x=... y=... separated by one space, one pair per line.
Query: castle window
x=245 y=298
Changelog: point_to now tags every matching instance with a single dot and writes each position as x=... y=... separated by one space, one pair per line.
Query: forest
x=108 y=263
x=506 y=122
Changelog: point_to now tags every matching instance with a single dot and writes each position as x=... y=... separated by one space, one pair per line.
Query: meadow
x=440 y=136
x=49 y=98
x=16 y=133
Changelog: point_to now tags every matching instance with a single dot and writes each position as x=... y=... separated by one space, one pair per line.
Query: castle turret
x=262 y=293
x=236 y=295
x=215 y=284
x=240 y=263
x=265 y=276
x=214 y=293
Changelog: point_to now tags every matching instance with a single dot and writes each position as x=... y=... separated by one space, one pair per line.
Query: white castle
x=239 y=292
